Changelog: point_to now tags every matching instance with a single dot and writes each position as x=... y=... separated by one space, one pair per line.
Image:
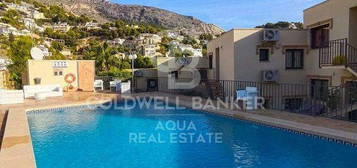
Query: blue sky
x=230 y=14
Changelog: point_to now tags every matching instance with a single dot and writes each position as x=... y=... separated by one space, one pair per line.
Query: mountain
x=103 y=10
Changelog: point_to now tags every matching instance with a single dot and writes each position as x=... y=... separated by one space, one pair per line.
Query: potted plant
x=339 y=60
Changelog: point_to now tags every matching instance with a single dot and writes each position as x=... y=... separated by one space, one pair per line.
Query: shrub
x=339 y=60
x=117 y=73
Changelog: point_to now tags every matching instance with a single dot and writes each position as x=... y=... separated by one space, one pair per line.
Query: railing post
x=346 y=52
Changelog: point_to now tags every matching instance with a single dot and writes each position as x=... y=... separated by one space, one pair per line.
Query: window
x=175 y=74
x=210 y=61
x=320 y=36
x=263 y=55
x=293 y=104
x=294 y=59
x=60 y=64
x=58 y=73
x=319 y=89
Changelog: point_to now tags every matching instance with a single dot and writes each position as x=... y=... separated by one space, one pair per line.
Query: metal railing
x=338 y=102
x=338 y=53
x=278 y=96
x=341 y=103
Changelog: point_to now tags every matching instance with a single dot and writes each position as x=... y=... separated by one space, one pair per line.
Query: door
x=319 y=89
x=86 y=73
x=351 y=92
x=203 y=73
x=152 y=85
x=217 y=63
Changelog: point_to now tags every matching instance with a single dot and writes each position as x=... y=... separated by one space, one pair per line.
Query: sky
x=230 y=14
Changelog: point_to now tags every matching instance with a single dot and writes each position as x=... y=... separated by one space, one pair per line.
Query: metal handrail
x=338 y=53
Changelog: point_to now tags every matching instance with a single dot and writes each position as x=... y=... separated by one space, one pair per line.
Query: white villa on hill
x=117 y=41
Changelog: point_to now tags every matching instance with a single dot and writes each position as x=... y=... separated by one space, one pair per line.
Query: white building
x=31 y=24
x=66 y=52
x=6 y=29
x=117 y=41
x=150 y=50
x=63 y=27
x=196 y=52
x=147 y=38
x=19 y=7
x=3 y=63
x=133 y=26
x=120 y=55
x=185 y=47
x=45 y=51
x=172 y=34
x=48 y=41
x=92 y=25
x=38 y=15
x=24 y=32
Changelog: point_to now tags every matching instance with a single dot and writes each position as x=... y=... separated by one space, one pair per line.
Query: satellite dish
x=37 y=53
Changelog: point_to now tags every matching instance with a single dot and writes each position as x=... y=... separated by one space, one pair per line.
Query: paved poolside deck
x=17 y=152
x=2 y=125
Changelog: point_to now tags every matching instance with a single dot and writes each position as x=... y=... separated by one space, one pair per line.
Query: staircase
x=215 y=88
x=339 y=53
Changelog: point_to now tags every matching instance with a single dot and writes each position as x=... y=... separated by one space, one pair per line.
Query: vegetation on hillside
x=282 y=25
x=106 y=57
x=19 y=53
x=12 y=17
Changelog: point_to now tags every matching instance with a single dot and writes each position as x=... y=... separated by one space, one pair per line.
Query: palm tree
x=103 y=54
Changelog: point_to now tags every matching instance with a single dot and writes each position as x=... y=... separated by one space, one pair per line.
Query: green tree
x=103 y=54
x=281 y=25
x=175 y=52
x=57 y=45
x=207 y=37
x=56 y=55
x=187 y=53
x=3 y=6
x=189 y=40
x=143 y=62
x=12 y=17
x=19 y=53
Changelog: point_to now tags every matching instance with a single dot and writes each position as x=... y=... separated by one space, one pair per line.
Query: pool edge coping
x=339 y=136
x=27 y=151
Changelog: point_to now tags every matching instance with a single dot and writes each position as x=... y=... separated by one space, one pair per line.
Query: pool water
x=141 y=138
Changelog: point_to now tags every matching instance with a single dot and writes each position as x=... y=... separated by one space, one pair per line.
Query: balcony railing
x=338 y=53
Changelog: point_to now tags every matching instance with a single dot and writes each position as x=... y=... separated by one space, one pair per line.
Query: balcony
x=338 y=53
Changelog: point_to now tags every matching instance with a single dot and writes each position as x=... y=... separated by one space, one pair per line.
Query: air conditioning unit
x=270 y=76
x=271 y=35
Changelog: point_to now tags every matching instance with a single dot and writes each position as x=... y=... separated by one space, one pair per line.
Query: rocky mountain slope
x=103 y=10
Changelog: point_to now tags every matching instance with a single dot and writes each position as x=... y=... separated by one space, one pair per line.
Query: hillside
x=103 y=11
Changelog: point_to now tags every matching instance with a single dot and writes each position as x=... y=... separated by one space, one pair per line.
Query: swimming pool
x=79 y=137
